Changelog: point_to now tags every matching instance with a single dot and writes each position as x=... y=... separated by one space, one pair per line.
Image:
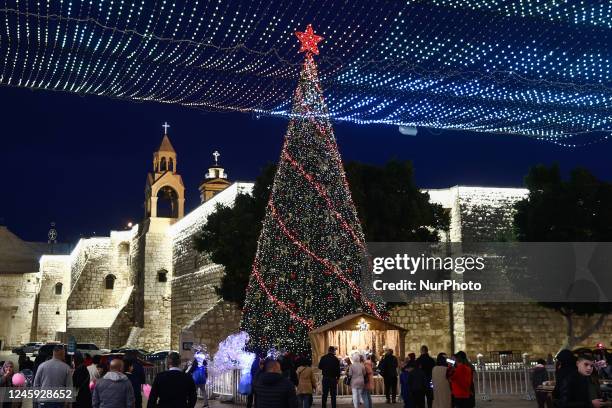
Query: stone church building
x=147 y=287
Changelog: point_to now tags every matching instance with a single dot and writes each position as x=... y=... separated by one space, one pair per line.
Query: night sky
x=82 y=161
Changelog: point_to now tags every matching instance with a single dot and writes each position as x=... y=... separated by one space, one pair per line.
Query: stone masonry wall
x=216 y=324
x=522 y=327
x=17 y=302
x=427 y=323
x=51 y=307
x=156 y=294
x=89 y=291
x=113 y=337
x=487 y=214
x=193 y=294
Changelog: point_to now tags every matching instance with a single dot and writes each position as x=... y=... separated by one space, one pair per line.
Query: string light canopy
x=535 y=68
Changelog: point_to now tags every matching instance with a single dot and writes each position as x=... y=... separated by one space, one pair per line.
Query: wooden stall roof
x=350 y=321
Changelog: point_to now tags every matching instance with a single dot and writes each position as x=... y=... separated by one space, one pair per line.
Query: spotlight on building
x=408 y=130
x=129 y=224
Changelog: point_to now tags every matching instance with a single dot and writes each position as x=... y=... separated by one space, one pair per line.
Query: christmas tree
x=310 y=255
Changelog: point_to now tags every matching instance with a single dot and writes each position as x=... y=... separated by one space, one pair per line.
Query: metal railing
x=493 y=379
x=223 y=386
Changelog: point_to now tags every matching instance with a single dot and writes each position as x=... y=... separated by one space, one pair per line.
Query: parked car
x=28 y=348
x=158 y=355
x=140 y=353
x=47 y=348
x=107 y=357
x=90 y=348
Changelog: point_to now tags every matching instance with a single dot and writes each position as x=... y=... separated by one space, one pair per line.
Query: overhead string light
x=535 y=68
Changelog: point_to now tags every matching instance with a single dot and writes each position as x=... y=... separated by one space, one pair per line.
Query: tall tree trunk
x=572 y=340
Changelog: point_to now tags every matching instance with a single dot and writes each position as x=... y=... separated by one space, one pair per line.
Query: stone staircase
x=132 y=340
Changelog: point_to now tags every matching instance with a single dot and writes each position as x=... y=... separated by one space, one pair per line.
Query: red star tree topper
x=309 y=40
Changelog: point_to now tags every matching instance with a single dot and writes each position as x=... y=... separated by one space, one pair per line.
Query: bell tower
x=164 y=191
x=214 y=181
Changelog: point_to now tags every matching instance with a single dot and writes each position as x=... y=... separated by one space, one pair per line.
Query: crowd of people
x=112 y=384
x=289 y=382
x=581 y=379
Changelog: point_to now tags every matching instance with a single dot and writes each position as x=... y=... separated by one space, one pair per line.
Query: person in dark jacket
x=565 y=366
x=288 y=368
x=137 y=368
x=330 y=370
x=272 y=389
x=577 y=390
x=255 y=370
x=128 y=370
x=413 y=381
x=173 y=388
x=388 y=369
x=80 y=381
x=538 y=376
x=426 y=363
x=24 y=362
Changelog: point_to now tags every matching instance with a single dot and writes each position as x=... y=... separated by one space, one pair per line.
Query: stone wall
x=427 y=323
x=185 y=258
x=137 y=266
x=101 y=259
x=215 y=325
x=111 y=337
x=193 y=294
x=17 y=303
x=523 y=327
x=156 y=295
x=195 y=304
x=51 y=316
x=487 y=214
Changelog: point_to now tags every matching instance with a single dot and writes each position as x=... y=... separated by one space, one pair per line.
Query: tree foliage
x=574 y=210
x=390 y=207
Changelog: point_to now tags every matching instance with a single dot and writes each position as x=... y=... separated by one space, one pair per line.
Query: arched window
x=167 y=203
x=170 y=164
x=162 y=276
x=58 y=288
x=162 y=165
x=109 y=281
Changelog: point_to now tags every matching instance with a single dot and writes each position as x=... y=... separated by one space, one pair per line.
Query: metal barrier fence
x=223 y=386
x=491 y=379
x=499 y=378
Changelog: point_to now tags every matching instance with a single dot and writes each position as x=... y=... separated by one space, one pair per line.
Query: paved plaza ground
x=509 y=402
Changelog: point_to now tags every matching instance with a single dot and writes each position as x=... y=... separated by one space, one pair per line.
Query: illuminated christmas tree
x=310 y=255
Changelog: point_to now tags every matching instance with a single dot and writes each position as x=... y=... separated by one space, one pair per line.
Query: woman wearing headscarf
x=369 y=381
x=6 y=380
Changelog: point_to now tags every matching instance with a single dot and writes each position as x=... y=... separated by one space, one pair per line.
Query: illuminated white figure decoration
x=363 y=325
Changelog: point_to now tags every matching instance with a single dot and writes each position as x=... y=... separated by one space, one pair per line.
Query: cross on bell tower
x=214 y=181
